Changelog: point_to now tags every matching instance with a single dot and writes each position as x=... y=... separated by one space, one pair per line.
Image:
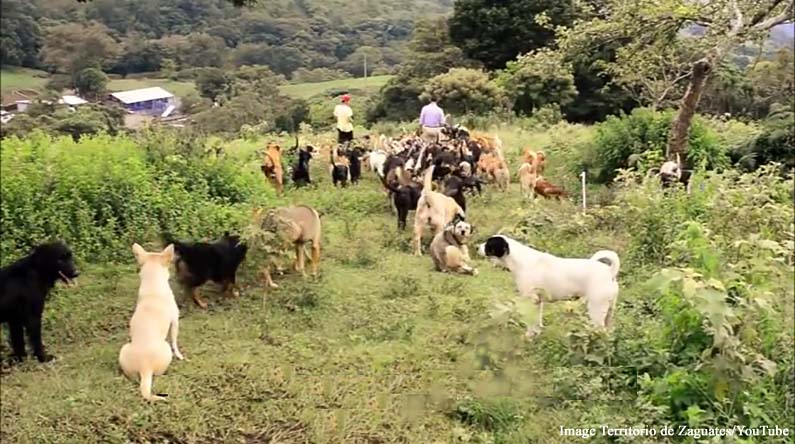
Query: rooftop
x=142 y=95
x=72 y=100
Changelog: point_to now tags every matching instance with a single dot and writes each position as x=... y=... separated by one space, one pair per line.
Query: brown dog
x=298 y=225
x=546 y=189
x=272 y=166
x=536 y=160
x=495 y=170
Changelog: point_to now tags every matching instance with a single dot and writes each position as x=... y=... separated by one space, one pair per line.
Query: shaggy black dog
x=301 y=169
x=455 y=186
x=199 y=262
x=24 y=286
x=355 y=158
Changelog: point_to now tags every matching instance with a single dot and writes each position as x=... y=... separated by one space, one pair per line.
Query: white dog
x=156 y=312
x=560 y=278
x=376 y=160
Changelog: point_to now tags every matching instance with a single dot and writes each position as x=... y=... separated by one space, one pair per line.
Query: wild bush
x=706 y=293
x=642 y=131
x=103 y=193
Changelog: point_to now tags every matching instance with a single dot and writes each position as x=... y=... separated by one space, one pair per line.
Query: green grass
x=376 y=349
x=379 y=348
x=180 y=89
x=307 y=90
x=22 y=78
x=14 y=78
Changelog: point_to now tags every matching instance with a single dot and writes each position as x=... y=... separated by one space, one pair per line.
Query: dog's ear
x=139 y=252
x=168 y=254
x=497 y=246
x=226 y=234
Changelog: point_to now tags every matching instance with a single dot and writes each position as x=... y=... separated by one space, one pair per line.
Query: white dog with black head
x=548 y=278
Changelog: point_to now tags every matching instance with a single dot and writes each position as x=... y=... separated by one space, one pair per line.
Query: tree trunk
x=677 y=139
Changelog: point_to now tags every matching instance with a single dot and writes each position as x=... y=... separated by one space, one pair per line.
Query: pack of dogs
x=432 y=180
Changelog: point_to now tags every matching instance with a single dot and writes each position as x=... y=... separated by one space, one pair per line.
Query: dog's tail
x=609 y=258
x=427 y=181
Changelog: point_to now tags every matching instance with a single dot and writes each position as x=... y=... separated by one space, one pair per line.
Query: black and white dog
x=558 y=278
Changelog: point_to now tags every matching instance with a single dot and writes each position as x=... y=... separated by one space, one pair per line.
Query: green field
x=179 y=89
x=380 y=348
x=22 y=78
x=13 y=78
x=307 y=90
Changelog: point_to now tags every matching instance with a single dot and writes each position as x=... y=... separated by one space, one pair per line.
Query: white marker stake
x=582 y=176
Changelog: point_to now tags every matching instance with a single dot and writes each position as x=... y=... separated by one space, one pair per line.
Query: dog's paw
x=179 y=355
x=474 y=272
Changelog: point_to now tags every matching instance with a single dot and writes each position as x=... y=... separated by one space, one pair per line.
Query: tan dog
x=537 y=160
x=155 y=319
x=272 y=166
x=298 y=225
x=502 y=176
x=449 y=250
x=527 y=179
x=434 y=209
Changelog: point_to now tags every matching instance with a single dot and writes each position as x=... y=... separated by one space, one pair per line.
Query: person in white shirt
x=344 y=115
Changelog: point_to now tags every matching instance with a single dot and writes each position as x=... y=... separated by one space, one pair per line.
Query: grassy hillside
x=13 y=78
x=22 y=78
x=307 y=90
x=379 y=348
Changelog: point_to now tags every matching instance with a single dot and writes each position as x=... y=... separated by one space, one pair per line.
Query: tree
x=464 y=91
x=709 y=30
x=20 y=35
x=354 y=62
x=430 y=53
x=139 y=55
x=91 y=83
x=495 y=32
x=71 y=47
x=538 y=79
x=205 y=50
x=213 y=83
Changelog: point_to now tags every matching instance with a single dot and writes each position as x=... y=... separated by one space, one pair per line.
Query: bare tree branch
x=785 y=15
x=762 y=14
x=671 y=86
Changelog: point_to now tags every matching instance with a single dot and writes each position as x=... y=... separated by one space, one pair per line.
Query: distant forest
x=285 y=35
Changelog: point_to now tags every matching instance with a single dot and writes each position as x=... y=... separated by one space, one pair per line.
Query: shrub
x=103 y=193
x=643 y=131
x=464 y=91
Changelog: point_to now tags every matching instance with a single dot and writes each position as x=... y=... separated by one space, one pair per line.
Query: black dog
x=199 y=262
x=405 y=198
x=339 y=171
x=301 y=169
x=355 y=160
x=24 y=286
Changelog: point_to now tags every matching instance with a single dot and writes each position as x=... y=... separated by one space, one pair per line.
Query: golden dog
x=272 y=166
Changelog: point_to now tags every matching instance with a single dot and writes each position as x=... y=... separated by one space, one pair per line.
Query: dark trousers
x=344 y=136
